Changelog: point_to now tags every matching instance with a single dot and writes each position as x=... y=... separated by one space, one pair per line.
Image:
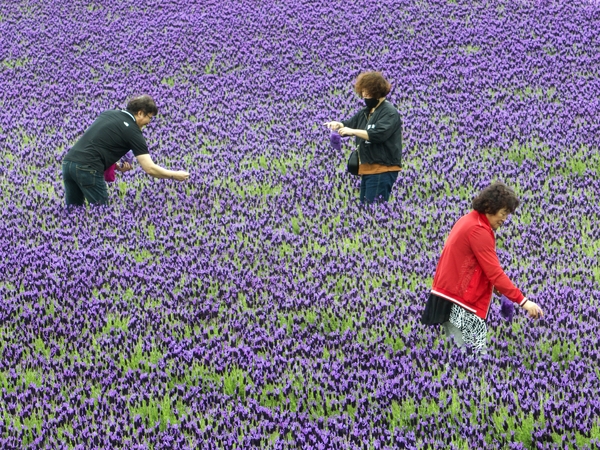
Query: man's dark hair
x=143 y=103
x=495 y=197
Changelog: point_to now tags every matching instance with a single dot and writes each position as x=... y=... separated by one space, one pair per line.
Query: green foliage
x=138 y=356
x=518 y=153
x=285 y=249
x=115 y=321
x=169 y=81
x=5 y=382
x=564 y=352
x=295 y=225
x=471 y=49
x=40 y=346
x=150 y=230
x=244 y=190
x=158 y=410
x=330 y=321
x=523 y=424
x=233 y=379
x=401 y=413
x=14 y=63
x=209 y=68
x=141 y=255
x=396 y=342
x=122 y=185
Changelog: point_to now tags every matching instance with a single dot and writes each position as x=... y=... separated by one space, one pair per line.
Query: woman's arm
x=386 y=125
x=352 y=132
x=483 y=246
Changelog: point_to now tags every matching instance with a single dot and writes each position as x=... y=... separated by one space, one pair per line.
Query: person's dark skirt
x=437 y=310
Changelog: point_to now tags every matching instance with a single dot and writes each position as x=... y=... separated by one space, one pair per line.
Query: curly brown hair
x=495 y=197
x=373 y=83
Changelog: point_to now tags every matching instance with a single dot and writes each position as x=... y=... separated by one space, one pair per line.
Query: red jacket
x=468 y=269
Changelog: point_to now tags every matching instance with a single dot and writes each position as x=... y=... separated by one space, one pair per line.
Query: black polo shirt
x=107 y=140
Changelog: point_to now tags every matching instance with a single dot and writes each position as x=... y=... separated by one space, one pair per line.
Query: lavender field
x=258 y=305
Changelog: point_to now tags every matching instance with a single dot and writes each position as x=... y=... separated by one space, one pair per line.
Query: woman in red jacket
x=469 y=271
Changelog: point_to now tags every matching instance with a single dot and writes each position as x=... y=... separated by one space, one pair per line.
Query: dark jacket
x=385 y=135
x=468 y=269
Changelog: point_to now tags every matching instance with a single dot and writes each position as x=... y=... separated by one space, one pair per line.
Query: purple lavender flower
x=128 y=158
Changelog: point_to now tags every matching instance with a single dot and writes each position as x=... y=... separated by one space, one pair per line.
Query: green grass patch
x=159 y=410
x=471 y=49
x=522 y=424
x=14 y=63
x=117 y=322
x=134 y=361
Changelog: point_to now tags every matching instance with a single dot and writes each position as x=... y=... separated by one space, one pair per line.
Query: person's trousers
x=377 y=187
x=82 y=182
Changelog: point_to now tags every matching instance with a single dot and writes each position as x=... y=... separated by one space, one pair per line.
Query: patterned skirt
x=473 y=328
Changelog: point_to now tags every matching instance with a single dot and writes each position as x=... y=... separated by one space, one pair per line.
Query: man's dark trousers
x=82 y=182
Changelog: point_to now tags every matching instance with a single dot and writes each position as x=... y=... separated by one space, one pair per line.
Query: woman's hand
x=362 y=134
x=333 y=125
x=533 y=310
x=345 y=131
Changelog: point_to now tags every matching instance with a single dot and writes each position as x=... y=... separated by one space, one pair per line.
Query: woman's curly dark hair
x=495 y=197
x=373 y=83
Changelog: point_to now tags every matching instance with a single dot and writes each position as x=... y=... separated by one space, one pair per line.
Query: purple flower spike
x=507 y=309
x=336 y=140
x=128 y=157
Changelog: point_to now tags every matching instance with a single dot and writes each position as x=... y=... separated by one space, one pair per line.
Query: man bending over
x=105 y=142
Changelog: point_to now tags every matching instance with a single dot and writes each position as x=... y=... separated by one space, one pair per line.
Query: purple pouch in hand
x=507 y=308
x=336 y=140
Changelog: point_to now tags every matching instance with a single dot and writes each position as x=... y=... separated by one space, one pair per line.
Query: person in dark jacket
x=105 y=142
x=469 y=271
x=378 y=132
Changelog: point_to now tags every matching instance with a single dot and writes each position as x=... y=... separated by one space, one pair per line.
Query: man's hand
x=533 y=310
x=180 y=175
x=124 y=167
x=333 y=125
